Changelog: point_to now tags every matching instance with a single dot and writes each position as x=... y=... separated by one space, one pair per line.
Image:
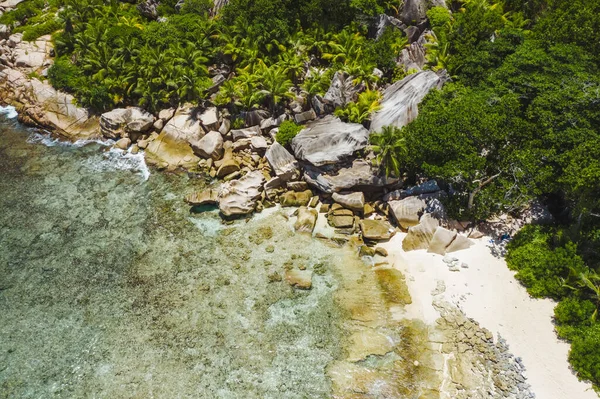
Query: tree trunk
x=478 y=189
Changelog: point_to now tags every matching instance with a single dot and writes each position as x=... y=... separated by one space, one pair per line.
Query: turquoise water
x=111 y=288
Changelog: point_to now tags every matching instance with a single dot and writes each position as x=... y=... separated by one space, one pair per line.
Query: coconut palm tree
x=275 y=84
x=360 y=111
x=390 y=148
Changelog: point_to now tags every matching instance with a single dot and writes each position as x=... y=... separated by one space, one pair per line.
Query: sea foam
x=8 y=112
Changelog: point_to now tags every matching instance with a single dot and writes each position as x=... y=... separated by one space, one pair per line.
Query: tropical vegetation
x=519 y=120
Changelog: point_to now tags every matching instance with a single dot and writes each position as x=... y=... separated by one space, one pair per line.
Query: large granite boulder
x=415 y=11
x=210 y=119
x=4 y=32
x=384 y=21
x=239 y=197
x=149 y=8
x=329 y=140
x=218 y=5
x=121 y=122
x=246 y=133
x=419 y=236
x=441 y=239
x=209 y=146
x=460 y=242
x=341 y=91
x=306 y=221
x=353 y=201
x=376 y=230
x=406 y=212
x=282 y=163
x=41 y=105
x=172 y=149
x=413 y=56
x=400 y=100
x=360 y=176
x=30 y=56
x=429 y=187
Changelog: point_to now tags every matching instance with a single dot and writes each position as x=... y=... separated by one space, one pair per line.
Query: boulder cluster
x=327 y=168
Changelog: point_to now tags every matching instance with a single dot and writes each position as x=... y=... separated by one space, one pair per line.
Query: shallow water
x=111 y=288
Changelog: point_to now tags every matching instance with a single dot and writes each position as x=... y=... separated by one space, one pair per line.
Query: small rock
x=123 y=143
x=227 y=167
x=301 y=279
x=381 y=251
x=292 y=198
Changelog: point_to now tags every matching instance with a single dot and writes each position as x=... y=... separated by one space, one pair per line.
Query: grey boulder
x=209 y=146
x=282 y=163
x=239 y=197
x=353 y=201
x=361 y=175
x=123 y=121
x=400 y=100
x=406 y=212
x=329 y=140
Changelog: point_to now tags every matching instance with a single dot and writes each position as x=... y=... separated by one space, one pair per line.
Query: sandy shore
x=488 y=292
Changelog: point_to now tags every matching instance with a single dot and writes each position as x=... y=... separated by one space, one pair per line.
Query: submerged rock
x=301 y=279
x=400 y=100
x=239 y=197
x=329 y=140
x=206 y=197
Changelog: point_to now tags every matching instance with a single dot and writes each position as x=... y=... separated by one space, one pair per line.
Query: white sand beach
x=488 y=292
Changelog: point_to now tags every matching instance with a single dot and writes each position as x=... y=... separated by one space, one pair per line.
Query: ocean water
x=110 y=287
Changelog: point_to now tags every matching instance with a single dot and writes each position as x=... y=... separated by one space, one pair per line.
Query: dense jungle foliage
x=519 y=120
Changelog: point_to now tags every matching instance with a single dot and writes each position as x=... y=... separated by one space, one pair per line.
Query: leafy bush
x=571 y=314
x=438 y=16
x=287 y=131
x=543 y=261
x=33 y=32
x=63 y=75
x=585 y=353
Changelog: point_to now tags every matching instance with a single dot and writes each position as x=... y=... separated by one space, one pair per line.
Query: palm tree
x=588 y=282
x=360 y=112
x=344 y=47
x=390 y=148
x=293 y=64
x=274 y=84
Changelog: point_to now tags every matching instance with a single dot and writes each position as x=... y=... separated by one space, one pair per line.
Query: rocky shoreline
x=327 y=173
